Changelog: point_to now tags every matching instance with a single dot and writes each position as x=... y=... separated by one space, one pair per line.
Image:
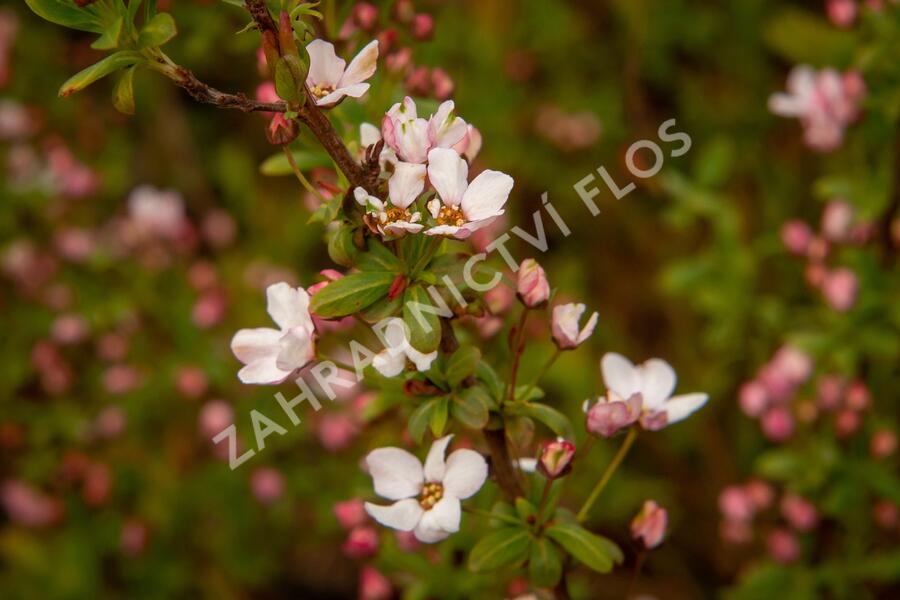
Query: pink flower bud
x=215 y=416
x=795 y=364
x=28 y=506
x=133 y=538
x=886 y=514
x=532 y=287
x=753 y=398
x=406 y=541
x=361 y=543
x=469 y=146
x=736 y=504
x=830 y=392
x=219 y=228
x=883 y=443
x=336 y=431
x=373 y=585
x=760 y=493
x=556 y=458
x=783 y=546
x=365 y=15
x=422 y=26
x=608 y=416
x=350 y=513
x=777 y=424
x=399 y=61
x=736 y=532
x=120 y=379
x=564 y=325
x=111 y=422
x=97 y=485
x=840 y=289
x=650 y=524
x=799 y=512
x=191 y=382
x=267 y=485
x=281 y=131
x=846 y=423
x=68 y=330
x=841 y=12
x=442 y=84
x=858 y=397
x=837 y=218
x=796 y=237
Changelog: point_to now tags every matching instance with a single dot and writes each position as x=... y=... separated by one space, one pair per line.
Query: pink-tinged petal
x=466 y=471
x=444 y=230
x=354 y=91
x=325 y=67
x=406 y=183
x=476 y=225
x=402 y=227
x=588 y=328
x=619 y=375
x=362 y=66
x=446 y=514
x=428 y=531
x=329 y=100
x=368 y=135
x=411 y=140
x=434 y=462
x=297 y=349
x=263 y=371
x=288 y=306
x=403 y=515
x=657 y=382
x=682 y=406
x=396 y=474
x=486 y=195
x=249 y=345
x=444 y=128
x=448 y=174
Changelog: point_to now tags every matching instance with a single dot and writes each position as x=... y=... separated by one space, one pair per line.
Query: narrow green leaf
x=488 y=375
x=424 y=326
x=351 y=294
x=471 y=407
x=99 y=70
x=123 y=93
x=67 y=14
x=507 y=546
x=420 y=419
x=110 y=38
x=595 y=551
x=286 y=86
x=544 y=563
x=379 y=258
x=552 y=418
x=159 y=30
x=439 y=417
x=462 y=364
x=525 y=509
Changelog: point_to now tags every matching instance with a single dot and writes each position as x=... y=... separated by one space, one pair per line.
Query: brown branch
x=207 y=94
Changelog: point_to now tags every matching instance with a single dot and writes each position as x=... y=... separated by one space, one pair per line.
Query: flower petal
x=406 y=183
x=657 y=382
x=446 y=514
x=296 y=349
x=444 y=230
x=444 y=128
x=396 y=474
x=486 y=195
x=288 y=306
x=434 y=462
x=263 y=371
x=403 y=515
x=466 y=471
x=250 y=345
x=448 y=174
x=368 y=135
x=428 y=531
x=620 y=375
x=362 y=66
x=682 y=406
x=388 y=363
x=588 y=328
x=325 y=68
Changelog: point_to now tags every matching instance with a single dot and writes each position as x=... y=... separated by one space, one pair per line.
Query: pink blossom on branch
x=330 y=79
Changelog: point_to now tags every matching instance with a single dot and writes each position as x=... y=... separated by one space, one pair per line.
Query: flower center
x=393 y=214
x=320 y=91
x=431 y=494
x=451 y=215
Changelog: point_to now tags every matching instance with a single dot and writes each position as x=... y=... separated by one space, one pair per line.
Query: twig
x=607 y=474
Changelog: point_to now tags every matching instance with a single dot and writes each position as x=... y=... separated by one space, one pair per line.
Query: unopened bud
x=556 y=458
x=649 y=525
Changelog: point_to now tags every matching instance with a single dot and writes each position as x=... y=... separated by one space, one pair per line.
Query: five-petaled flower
x=412 y=137
x=564 y=325
x=463 y=207
x=394 y=218
x=330 y=79
x=427 y=498
x=272 y=355
x=391 y=361
x=654 y=380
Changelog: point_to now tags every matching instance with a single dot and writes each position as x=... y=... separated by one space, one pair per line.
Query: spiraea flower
x=462 y=207
x=330 y=79
x=532 y=286
x=556 y=458
x=564 y=324
x=394 y=218
x=369 y=135
x=412 y=137
x=272 y=355
x=649 y=525
x=427 y=498
x=391 y=361
x=654 y=380
x=610 y=414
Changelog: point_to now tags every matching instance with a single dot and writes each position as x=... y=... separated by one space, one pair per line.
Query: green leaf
x=286 y=86
x=278 y=165
x=507 y=546
x=595 y=551
x=552 y=418
x=379 y=258
x=804 y=37
x=123 y=93
x=488 y=375
x=159 y=30
x=420 y=419
x=67 y=14
x=533 y=393
x=351 y=294
x=382 y=309
x=110 y=38
x=327 y=211
x=544 y=563
x=341 y=248
x=525 y=509
x=99 y=70
x=462 y=364
x=471 y=407
x=439 y=416
x=414 y=252
x=424 y=326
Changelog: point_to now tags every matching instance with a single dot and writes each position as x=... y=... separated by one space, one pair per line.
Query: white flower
x=463 y=207
x=329 y=80
x=391 y=361
x=564 y=325
x=654 y=380
x=369 y=135
x=427 y=498
x=394 y=217
x=412 y=137
x=273 y=355
x=156 y=212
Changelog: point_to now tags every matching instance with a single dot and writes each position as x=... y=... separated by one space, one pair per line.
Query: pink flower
x=650 y=524
x=215 y=416
x=394 y=218
x=133 y=537
x=29 y=506
x=753 y=398
x=470 y=145
x=191 y=382
x=777 y=424
x=883 y=443
x=555 y=458
x=736 y=504
x=841 y=12
x=846 y=422
x=156 y=212
x=350 y=513
x=837 y=219
x=422 y=26
x=336 y=431
x=373 y=585
x=532 y=288
x=413 y=137
x=799 y=512
x=796 y=236
x=111 y=422
x=361 y=543
x=858 y=396
x=840 y=289
x=267 y=485
x=442 y=84
x=611 y=414
x=830 y=392
x=564 y=326
x=783 y=546
x=365 y=15
x=330 y=79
